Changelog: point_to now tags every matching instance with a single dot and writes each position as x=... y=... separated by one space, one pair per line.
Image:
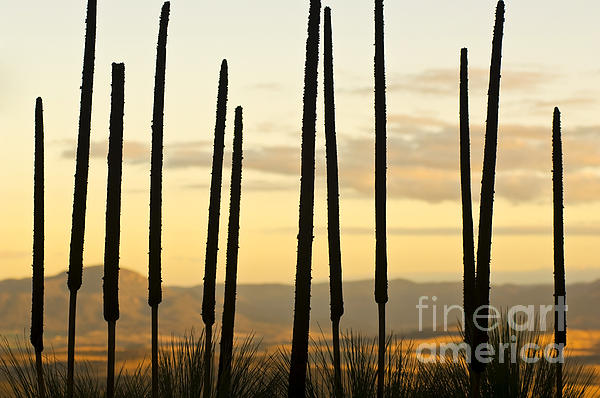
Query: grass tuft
x=258 y=374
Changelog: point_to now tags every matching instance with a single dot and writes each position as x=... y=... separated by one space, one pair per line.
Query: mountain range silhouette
x=262 y=309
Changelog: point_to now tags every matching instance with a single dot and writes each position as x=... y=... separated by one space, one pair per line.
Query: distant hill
x=265 y=310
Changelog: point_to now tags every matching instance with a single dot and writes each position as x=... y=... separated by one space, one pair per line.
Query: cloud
x=13 y=254
x=189 y=154
x=274 y=159
x=177 y=155
x=583 y=186
x=251 y=185
x=445 y=81
x=134 y=152
x=283 y=160
x=523 y=186
x=270 y=127
x=423 y=161
x=580 y=101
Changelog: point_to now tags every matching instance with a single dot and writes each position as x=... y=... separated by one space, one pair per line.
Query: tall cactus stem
x=113 y=219
x=227 y=327
x=299 y=358
x=155 y=229
x=467 y=206
x=381 y=281
x=484 y=243
x=560 y=291
x=212 y=240
x=333 y=205
x=81 y=181
x=37 y=289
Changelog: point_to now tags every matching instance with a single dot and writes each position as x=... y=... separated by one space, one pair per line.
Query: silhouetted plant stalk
x=467 y=206
x=155 y=233
x=333 y=205
x=299 y=358
x=224 y=375
x=212 y=240
x=37 y=290
x=81 y=181
x=484 y=242
x=381 y=282
x=113 y=219
x=560 y=291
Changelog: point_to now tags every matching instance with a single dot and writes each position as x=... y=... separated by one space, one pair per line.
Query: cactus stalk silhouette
x=467 y=206
x=560 y=314
x=381 y=282
x=155 y=230
x=212 y=239
x=224 y=375
x=191 y=362
x=299 y=358
x=484 y=243
x=113 y=219
x=37 y=289
x=81 y=182
x=333 y=205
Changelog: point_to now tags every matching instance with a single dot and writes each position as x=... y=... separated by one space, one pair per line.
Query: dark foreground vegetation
x=256 y=373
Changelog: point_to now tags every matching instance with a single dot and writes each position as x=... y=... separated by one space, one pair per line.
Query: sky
x=547 y=62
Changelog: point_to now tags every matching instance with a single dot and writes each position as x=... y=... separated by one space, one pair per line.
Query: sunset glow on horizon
x=545 y=64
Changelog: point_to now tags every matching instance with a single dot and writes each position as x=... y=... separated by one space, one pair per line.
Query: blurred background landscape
x=265 y=311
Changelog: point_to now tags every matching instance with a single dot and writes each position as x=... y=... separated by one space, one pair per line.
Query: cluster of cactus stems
x=476 y=273
x=299 y=357
x=81 y=182
x=381 y=281
x=155 y=230
x=486 y=205
x=113 y=219
x=560 y=314
x=233 y=234
x=467 y=205
x=333 y=205
x=477 y=284
x=212 y=239
x=37 y=289
x=476 y=289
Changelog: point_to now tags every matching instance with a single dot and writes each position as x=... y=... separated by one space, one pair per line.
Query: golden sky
x=548 y=61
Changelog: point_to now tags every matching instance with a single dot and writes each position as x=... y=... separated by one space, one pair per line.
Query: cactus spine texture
x=381 y=282
x=333 y=205
x=560 y=291
x=37 y=289
x=486 y=203
x=467 y=207
x=155 y=230
x=212 y=240
x=299 y=358
x=224 y=375
x=81 y=180
x=113 y=219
